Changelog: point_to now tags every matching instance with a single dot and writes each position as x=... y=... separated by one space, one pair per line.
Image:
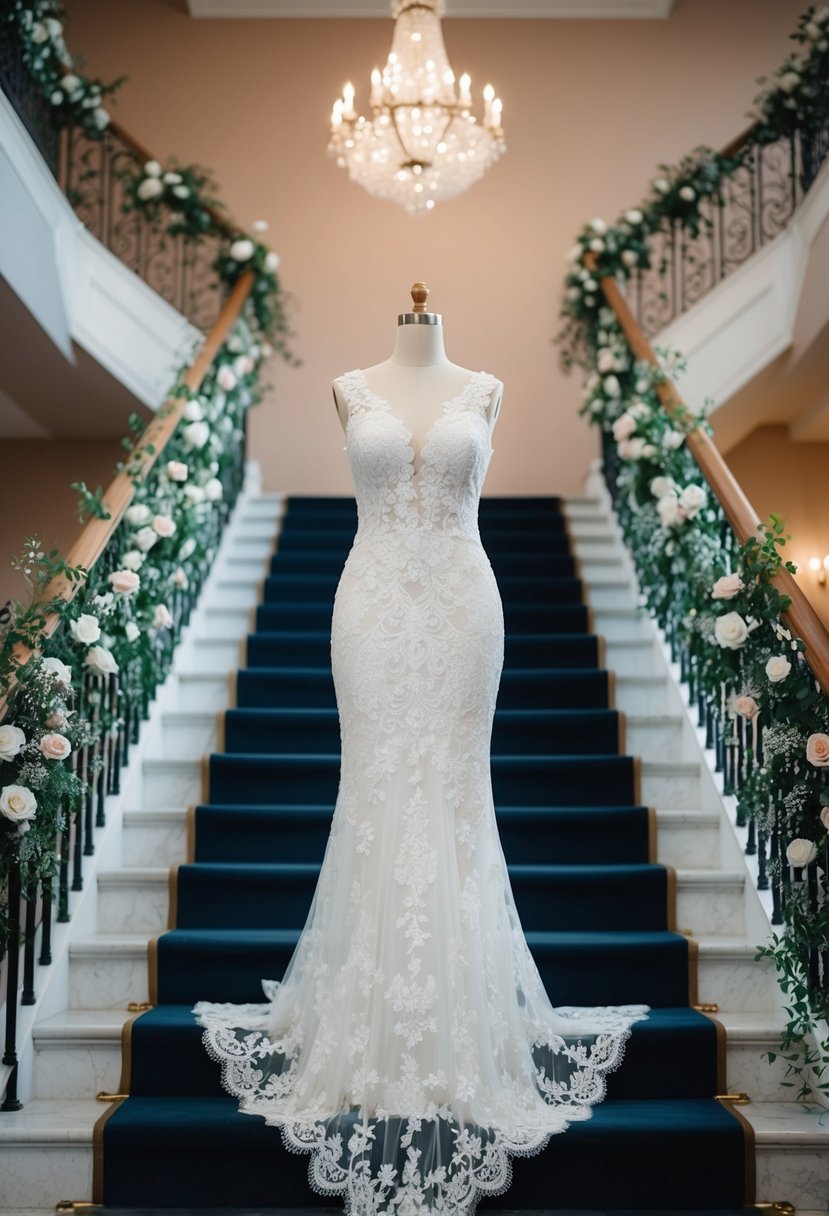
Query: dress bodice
x=444 y=495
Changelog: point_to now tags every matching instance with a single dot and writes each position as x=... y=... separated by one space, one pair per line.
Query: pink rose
x=623 y=427
x=163 y=525
x=824 y=817
x=817 y=750
x=124 y=581
x=746 y=707
x=727 y=587
x=176 y=470
x=55 y=747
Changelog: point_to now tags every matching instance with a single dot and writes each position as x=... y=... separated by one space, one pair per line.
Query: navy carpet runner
x=597 y=910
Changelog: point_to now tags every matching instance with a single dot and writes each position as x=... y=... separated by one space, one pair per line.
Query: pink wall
x=590 y=108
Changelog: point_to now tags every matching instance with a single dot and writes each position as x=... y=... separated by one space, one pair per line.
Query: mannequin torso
x=416 y=381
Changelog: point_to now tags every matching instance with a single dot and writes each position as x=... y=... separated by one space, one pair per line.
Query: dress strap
x=476 y=395
x=358 y=396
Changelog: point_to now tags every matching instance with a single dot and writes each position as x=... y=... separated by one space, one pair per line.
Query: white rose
x=605 y=360
x=634 y=216
x=57 y=670
x=85 y=629
x=180 y=579
x=243 y=365
x=650 y=450
x=730 y=630
x=12 y=740
x=667 y=508
x=54 y=27
x=623 y=427
x=187 y=549
x=133 y=559
x=612 y=386
x=692 y=498
x=213 y=489
x=598 y=225
x=172 y=178
x=145 y=538
x=812 y=31
x=17 y=803
x=272 y=260
x=196 y=435
x=789 y=81
x=727 y=587
x=149 y=188
x=163 y=525
x=56 y=98
x=688 y=193
x=39 y=32
x=101 y=661
x=661 y=185
x=631 y=449
x=242 y=250
x=152 y=168
x=55 y=747
x=596 y=244
x=181 y=191
x=176 y=470
x=162 y=618
x=801 y=852
x=193 y=494
x=132 y=631
x=639 y=409
x=193 y=411
x=139 y=514
x=102 y=117
x=629 y=257
x=260 y=225
x=573 y=294
x=70 y=83
x=672 y=439
x=777 y=668
x=660 y=486
x=225 y=378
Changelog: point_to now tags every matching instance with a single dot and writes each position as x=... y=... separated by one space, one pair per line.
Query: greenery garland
x=715 y=598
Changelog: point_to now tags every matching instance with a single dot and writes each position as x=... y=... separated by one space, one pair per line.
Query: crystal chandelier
x=422 y=142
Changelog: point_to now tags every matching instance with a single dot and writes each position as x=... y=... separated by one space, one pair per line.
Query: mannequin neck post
x=419 y=345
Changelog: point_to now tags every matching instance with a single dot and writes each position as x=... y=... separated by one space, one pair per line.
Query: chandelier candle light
x=422 y=142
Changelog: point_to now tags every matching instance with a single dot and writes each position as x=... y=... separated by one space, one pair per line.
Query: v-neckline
x=385 y=404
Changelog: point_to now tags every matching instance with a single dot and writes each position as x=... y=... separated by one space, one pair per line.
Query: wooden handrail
x=801 y=616
x=96 y=533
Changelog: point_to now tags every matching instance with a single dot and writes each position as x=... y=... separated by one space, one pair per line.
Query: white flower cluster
x=49 y=59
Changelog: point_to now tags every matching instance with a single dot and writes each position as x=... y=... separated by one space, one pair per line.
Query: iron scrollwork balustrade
x=25 y=95
x=178 y=267
x=754 y=205
x=118 y=703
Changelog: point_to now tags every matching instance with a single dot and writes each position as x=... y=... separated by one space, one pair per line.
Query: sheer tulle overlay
x=411 y=1046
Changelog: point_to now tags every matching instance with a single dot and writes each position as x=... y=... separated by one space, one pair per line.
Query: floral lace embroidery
x=411 y=1047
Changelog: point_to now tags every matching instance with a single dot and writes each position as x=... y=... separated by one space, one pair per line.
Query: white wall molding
x=81 y=290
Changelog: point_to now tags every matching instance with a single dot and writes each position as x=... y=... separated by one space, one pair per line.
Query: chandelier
x=422 y=143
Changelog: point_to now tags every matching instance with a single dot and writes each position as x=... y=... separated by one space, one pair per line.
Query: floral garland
x=119 y=621
x=76 y=99
x=796 y=98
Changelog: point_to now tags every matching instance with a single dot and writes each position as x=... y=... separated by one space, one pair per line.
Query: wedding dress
x=411 y=1046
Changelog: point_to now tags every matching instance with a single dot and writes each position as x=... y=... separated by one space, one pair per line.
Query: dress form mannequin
x=418 y=377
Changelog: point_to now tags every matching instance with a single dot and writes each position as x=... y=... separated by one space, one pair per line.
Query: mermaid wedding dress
x=411 y=1046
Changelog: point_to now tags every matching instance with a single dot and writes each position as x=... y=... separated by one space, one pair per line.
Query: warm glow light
x=814 y=563
x=421 y=142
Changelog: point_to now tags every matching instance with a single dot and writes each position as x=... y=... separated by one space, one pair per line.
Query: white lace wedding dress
x=411 y=1046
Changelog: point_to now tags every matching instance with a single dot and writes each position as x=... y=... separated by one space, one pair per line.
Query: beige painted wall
x=590 y=108
x=790 y=479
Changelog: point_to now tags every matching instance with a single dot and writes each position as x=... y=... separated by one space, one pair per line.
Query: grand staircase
x=628 y=878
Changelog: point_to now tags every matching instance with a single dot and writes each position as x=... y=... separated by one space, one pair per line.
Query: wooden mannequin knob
x=420 y=294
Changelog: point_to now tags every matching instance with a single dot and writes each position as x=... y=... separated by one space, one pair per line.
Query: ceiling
x=581 y=9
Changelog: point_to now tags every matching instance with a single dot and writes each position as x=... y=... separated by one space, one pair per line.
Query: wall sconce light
x=819 y=568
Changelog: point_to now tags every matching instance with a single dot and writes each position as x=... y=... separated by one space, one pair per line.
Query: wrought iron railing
x=23 y=92
x=754 y=205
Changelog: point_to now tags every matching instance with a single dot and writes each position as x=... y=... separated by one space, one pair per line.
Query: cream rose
x=101 y=661
x=746 y=707
x=225 y=378
x=213 y=489
x=12 y=741
x=624 y=426
x=777 y=668
x=242 y=250
x=194 y=494
x=817 y=750
x=272 y=261
x=692 y=499
x=631 y=449
x=55 y=747
x=124 y=581
x=137 y=515
x=688 y=193
x=145 y=538
x=17 y=803
x=177 y=470
x=180 y=579
x=727 y=587
x=660 y=486
x=149 y=188
x=133 y=633
x=801 y=852
x=193 y=411
x=57 y=670
x=85 y=629
x=162 y=618
x=730 y=630
x=634 y=216
x=133 y=559
x=629 y=257
x=824 y=817
x=196 y=434
x=612 y=386
x=163 y=526
x=669 y=510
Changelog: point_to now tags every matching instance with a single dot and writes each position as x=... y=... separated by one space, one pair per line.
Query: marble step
x=659 y=737
x=46 y=1154
x=197 y=690
x=645 y=694
x=78 y=1054
x=219 y=621
x=611 y=588
x=233 y=592
x=158 y=837
x=633 y=656
x=189 y=733
x=110 y=970
x=618 y=623
x=214 y=655
x=671 y=786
